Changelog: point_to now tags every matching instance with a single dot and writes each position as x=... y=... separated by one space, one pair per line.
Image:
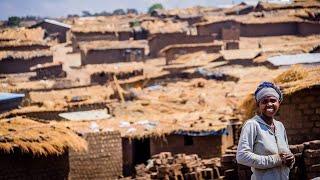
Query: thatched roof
x=36 y=34
x=17 y=43
x=293 y=80
x=25 y=55
x=161 y=27
x=37 y=138
x=105 y=45
x=264 y=6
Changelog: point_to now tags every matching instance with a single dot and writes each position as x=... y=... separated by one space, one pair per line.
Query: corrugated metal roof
x=86 y=115
x=286 y=60
x=10 y=96
x=51 y=21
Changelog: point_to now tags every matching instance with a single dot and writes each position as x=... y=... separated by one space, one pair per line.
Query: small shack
x=33 y=150
x=95 y=32
x=99 y=52
x=22 y=61
x=54 y=29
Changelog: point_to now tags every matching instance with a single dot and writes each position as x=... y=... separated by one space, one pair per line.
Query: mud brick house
x=251 y=26
x=10 y=101
x=299 y=110
x=104 y=73
x=99 y=52
x=164 y=33
x=206 y=144
x=110 y=32
x=22 y=61
x=33 y=150
x=54 y=29
x=48 y=71
x=171 y=52
x=23 y=45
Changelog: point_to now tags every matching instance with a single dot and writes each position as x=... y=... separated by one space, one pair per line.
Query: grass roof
x=37 y=138
x=25 y=55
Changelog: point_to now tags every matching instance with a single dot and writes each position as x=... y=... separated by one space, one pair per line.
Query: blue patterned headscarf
x=267 y=88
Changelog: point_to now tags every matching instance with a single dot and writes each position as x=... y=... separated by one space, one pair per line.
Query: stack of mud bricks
x=296 y=173
x=178 y=167
x=311 y=157
x=103 y=160
x=231 y=169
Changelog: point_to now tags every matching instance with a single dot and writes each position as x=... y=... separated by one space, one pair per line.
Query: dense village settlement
x=160 y=95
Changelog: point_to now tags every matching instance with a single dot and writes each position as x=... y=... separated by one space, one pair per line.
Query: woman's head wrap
x=267 y=89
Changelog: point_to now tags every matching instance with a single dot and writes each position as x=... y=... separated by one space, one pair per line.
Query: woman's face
x=269 y=106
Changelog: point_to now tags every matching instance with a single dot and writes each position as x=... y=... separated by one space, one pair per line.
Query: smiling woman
x=263 y=143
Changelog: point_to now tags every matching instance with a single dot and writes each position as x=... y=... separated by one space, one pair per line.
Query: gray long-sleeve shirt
x=259 y=148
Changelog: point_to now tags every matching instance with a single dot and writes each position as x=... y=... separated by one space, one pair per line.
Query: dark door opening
x=141 y=151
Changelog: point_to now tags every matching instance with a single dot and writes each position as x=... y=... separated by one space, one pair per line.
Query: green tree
x=14 y=21
x=155 y=6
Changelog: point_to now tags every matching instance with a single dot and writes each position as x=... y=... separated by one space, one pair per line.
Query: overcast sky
x=58 y=8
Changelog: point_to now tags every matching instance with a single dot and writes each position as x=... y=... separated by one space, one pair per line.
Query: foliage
x=154 y=7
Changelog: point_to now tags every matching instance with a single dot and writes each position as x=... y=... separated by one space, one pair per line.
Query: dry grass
x=160 y=27
x=293 y=80
x=17 y=43
x=104 y=45
x=36 y=34
x=25 y=55
x=293 y=74
x=37 y=138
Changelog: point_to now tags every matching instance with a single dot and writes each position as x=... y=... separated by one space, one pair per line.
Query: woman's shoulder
x=251 y=122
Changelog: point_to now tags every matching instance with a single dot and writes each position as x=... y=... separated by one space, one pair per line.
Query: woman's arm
x=245 y=153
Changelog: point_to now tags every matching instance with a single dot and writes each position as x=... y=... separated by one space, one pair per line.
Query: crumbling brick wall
x=17 y=165
x=174 y=52
x=103 y=160
x=159 y=41
x=300 y=114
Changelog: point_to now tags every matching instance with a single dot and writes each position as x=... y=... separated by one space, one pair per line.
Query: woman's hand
x=287 y=159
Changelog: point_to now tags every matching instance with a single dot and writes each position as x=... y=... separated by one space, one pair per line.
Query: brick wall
x=111 y=36
x=174 y=52
x=10 y=65
x=159 y=41
x=17 y=165
x=308 y=28
x=300 y=114
x=216 y=27
x=232 y=33
x=103 y=159
x=112 y=56
x=268 y=29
